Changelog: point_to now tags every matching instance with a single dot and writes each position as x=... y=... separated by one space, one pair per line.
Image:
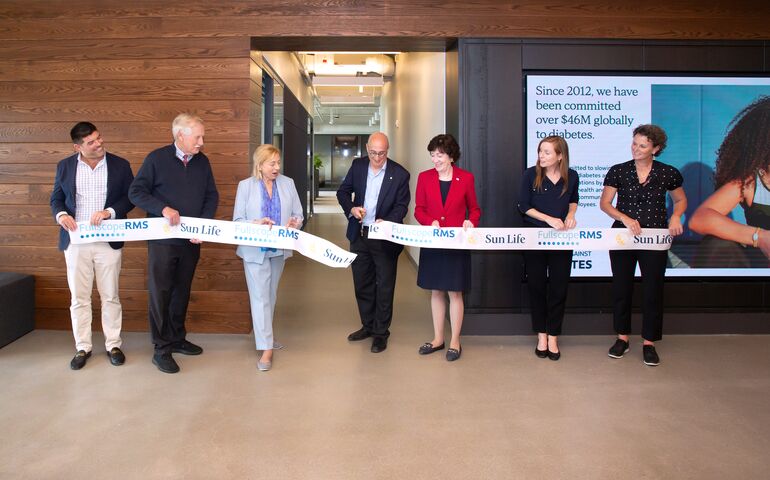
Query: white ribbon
x=521 y=238
x=219 y=231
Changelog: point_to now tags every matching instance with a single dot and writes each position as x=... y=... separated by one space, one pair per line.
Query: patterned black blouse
x=645 y=202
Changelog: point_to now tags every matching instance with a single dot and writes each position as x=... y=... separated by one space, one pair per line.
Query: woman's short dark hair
x=655 y=134
x=445 y=143
x=81 y=130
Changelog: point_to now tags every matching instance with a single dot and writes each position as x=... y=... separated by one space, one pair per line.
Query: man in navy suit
x=375 y=188
x=91 y=186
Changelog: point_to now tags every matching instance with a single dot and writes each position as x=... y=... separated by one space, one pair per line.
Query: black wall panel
x=295 y=141
x=492 y=134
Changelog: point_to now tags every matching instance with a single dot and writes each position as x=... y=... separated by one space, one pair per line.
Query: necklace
x=643 y=174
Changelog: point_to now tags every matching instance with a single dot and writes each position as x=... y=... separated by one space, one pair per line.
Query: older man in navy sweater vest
x=175 y=180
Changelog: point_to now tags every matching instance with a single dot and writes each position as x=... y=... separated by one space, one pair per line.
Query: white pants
x=262 y=280
x=84 y=263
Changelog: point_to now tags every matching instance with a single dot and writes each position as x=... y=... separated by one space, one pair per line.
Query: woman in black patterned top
x=641 y=185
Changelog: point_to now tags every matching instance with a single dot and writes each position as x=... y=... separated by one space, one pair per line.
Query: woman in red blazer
x=445 y=197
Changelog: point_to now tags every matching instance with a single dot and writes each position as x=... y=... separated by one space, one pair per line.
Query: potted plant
x=317 y=166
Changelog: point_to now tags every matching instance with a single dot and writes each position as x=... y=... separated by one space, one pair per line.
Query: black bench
x=17 y=306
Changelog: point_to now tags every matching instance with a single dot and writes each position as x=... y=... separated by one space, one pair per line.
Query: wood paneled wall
x=131 y=89
x=130 y=67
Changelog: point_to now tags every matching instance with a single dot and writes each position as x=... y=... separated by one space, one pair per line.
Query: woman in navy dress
x=548 y=197
x=446 y=197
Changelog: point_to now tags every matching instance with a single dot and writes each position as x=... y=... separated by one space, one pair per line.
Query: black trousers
x=652 y=265
x=548 y=273
x=170 y=270
x=374 y=278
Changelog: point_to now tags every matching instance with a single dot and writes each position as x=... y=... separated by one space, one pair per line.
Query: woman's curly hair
x=746 y=147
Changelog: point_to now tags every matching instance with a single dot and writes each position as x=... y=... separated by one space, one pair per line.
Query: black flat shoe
x=379 y=344
x=165 y=363
x=186 y=348
x=554 y=355
x=453 y=354
x=428 y=348
x=541 y=353
x=360 y=334
x=117 y=357
x=79 y=360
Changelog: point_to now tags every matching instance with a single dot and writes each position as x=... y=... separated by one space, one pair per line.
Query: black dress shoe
x=186 y=348
x=453 y=354
x=79 y=360
x=116 y=356
x=428 y=348
x=379 y=344
x=541 y=353
x=360 y=334
x=165 y=363
x=554 y=355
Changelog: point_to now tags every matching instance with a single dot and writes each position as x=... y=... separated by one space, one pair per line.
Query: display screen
x=597 y=115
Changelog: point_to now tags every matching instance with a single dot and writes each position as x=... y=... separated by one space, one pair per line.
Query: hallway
x=330 y=409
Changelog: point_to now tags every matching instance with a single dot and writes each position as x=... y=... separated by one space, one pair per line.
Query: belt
x=364 y=232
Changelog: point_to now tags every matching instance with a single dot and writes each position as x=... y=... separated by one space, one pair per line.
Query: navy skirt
x=444 y=269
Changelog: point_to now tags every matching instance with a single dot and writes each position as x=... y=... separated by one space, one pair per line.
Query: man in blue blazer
x=375 y=188
x=91 y=186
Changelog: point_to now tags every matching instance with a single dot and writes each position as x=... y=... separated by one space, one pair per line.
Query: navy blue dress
x=444 y=269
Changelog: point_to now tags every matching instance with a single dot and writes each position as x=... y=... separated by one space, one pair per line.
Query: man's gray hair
x=183 y=122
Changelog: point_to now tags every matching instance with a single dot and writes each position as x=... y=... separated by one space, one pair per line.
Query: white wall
x=287 y=67
x=413 y=111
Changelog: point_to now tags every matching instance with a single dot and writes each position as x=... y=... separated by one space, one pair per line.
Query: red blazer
x=461 y=199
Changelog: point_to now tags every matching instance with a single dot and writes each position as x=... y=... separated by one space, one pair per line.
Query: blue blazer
x=119 y=178
x=393 y=202
x=248 y=207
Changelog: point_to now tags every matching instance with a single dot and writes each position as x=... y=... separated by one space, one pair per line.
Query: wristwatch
x=755 y=238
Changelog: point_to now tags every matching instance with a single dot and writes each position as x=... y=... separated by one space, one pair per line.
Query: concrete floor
x=330 y=409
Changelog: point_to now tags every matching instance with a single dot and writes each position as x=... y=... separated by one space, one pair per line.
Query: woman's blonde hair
x=262 y=154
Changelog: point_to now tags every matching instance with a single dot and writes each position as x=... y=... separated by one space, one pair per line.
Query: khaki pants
x=84 y=264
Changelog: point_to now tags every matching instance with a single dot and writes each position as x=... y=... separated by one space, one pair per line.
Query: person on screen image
x=742 y=178
x=641 y=185
x=548 y=197
x=265 y=198
x=445 y=197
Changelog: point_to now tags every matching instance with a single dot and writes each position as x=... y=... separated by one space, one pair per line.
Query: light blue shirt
x=180 y=154
x=373 y=186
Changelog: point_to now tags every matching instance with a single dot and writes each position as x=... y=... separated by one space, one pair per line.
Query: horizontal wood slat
x=51 y=153
x=692 y=26
x=146 y=90
x=136 y=300
x=277 y=9
x=40 y=194
x=98 y=112
x=135 y=279
x=41 y=70
x=136 y=321
x=27 y=215
x=23 y=194
x=75 y=49
x=224 y=174
x=18 y=258
x=160 y=132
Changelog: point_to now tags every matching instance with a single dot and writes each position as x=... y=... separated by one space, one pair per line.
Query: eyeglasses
x=372 y=153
